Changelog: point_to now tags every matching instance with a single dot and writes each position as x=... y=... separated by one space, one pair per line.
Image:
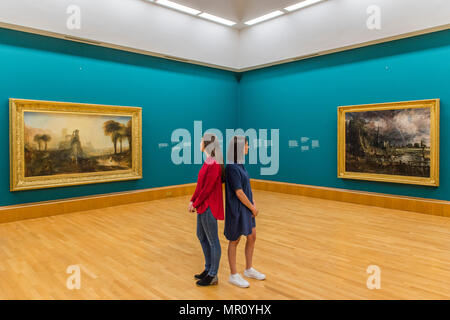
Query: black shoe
x=201 y=275
x=208 y=281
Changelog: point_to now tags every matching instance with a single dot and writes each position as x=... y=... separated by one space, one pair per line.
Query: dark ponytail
x=236 y=148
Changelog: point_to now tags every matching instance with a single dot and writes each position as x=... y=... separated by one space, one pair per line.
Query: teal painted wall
x=301 y=99
x=172 y=95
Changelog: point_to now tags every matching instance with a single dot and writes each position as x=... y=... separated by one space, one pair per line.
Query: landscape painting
x=58 y=143
x=390 y=142
x=67 y=144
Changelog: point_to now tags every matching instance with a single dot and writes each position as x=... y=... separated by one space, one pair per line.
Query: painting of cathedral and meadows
x=396 y=144
x=71 y=143
x=58 y=144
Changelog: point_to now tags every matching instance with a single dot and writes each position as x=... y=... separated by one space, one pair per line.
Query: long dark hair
x=212 y=146
x=236 y=148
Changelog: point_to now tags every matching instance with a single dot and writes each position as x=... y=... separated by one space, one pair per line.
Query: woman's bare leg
x=232 y=248
x=249 y=248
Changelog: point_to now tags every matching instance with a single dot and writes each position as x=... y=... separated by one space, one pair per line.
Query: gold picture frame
x=120 y=166
x=388 y=155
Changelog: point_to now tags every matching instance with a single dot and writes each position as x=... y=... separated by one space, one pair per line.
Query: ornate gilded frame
x=433 y=180
x=18 y=181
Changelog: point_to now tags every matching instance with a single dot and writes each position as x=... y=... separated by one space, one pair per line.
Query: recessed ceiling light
x=302 y=4
x=264 y=17
x=217 y=19
x=178 y=7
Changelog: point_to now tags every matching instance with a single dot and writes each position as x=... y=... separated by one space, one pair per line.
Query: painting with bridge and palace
x=66 y=144
x=71 y=143
x=390 y=142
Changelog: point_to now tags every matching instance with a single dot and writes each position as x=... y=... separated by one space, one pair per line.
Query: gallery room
x=225 y=150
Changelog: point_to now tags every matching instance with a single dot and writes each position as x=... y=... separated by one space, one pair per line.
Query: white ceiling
x=337 y=25
x=238 y=10
x=143 y=27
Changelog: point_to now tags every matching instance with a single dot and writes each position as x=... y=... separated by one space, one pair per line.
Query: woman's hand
x=191 y=207
x=255 y=211
x=243 y=198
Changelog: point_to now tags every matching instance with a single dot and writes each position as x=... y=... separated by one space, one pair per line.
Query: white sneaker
x=255 y=274
x=237 y=280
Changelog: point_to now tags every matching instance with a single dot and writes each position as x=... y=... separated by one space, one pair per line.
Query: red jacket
x=208 y=192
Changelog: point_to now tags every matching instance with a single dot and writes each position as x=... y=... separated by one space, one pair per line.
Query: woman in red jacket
x=208 y=201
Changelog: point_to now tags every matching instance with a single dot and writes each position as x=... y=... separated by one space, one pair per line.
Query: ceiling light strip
x=178 y=7
x=264 y=17
x=217 y=19
x=301 y=5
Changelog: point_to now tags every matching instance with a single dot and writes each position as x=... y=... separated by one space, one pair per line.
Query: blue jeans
x=209 y=239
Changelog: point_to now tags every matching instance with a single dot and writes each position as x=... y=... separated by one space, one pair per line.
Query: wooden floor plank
x=309 y=248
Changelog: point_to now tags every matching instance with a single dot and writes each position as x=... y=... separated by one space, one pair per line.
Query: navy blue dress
x=238 y=218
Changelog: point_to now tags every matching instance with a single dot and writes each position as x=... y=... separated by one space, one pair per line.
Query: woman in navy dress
x=240 y=212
